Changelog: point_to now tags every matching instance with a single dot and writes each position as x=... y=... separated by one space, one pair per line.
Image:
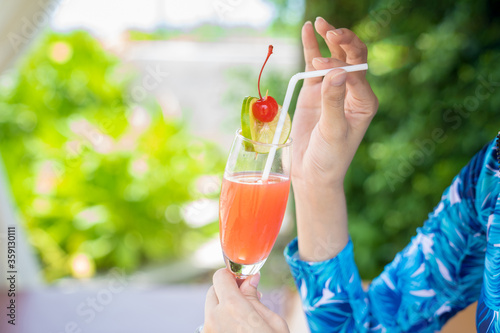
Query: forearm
x=321 y=220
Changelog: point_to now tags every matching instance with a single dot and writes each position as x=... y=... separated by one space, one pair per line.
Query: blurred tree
x=100 y=177
x=434 y=67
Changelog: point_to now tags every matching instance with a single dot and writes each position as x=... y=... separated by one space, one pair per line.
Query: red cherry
x=265 y=109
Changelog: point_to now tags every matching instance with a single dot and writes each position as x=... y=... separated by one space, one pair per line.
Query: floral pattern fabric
x=453 y=261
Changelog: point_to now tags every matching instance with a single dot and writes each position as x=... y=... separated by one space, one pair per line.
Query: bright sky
x=109 y=18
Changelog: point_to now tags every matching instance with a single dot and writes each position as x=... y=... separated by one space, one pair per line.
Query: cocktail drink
x=252 y=209
x=252 y=212
x=255 y=188
x=257 y=178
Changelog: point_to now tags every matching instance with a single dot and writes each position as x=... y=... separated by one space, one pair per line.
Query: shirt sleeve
x=438 y=274
x=488 y=309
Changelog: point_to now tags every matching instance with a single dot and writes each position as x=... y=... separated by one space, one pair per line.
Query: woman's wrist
x=321 y=221
x=317 y=187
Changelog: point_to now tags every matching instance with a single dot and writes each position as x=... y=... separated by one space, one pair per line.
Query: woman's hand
x=332 y=116
x=332 y=113
x=238 y=310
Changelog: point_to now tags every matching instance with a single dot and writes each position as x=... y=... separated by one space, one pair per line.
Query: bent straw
x=286 y=104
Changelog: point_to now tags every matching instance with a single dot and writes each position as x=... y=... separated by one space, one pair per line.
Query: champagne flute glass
x=251 y=210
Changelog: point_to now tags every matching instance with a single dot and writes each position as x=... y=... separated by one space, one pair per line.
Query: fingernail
x=254 y=280
x=322 y=60
x=308 y=22
x=320 y=18
x=260 y=295
x=333 y=33
x=338 y=77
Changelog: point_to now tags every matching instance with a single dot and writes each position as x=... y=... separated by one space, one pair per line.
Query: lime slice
x=245 y=120
x=259 y=131
x=264 y=132
x=245 y=116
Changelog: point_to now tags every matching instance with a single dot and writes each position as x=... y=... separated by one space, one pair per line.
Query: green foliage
x=96 y=175
x=434 y=67
x=288 y=20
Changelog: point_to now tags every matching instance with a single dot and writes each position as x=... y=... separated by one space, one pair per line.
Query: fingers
x=343 y=43
x=249 y=287
x=355 y=50
x=211 y=301
x=332 y=121
x=325 y=63
x=335 y=121
x=311 y=49
x=357 y=84
x=322 y=27
x=346 y=46
x=225 y=285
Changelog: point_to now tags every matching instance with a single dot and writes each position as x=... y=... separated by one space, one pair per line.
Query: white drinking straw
x=286 y=104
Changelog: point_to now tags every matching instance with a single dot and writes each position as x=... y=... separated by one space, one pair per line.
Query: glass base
x=242 y=271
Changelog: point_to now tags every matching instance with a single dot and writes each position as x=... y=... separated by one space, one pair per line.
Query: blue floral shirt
x=453 y=261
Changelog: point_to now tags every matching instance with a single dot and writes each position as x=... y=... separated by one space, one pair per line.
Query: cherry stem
x=268 y=55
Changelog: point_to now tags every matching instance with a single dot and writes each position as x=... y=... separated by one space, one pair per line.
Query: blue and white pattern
x=453 y=261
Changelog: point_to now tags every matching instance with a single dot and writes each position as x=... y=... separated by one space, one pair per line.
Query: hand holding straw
x=286 y=104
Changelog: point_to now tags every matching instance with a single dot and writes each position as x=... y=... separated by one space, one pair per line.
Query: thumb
x=333 y=89
x=249 y=287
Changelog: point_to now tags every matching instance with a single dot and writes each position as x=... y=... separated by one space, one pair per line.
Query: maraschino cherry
x=265 y=109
